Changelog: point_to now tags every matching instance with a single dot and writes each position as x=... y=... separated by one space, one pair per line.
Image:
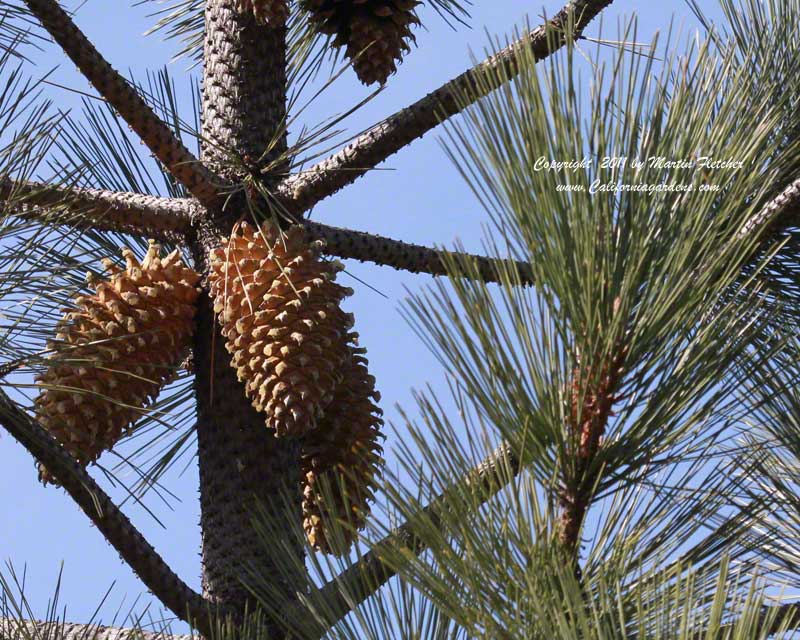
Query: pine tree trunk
x=244 y=86
x=244 y=102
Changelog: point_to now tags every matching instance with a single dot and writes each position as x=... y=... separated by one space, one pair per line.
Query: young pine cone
x=279 y=309
x=269 y=12
x=375 y=33
x=115 y=351
x=344 y=450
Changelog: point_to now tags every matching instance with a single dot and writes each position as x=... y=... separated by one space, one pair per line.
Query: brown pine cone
x=115 y=351
x=344 y=451
x=279 y=309
x=376 y=33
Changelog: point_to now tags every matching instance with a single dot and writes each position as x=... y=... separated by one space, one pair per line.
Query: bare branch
x=171 y=218
x=109 y=520
x=300 y=192
x=13 y=629
x=158 y=218
x=415 y=258
x=201 y=183
x=354 y=585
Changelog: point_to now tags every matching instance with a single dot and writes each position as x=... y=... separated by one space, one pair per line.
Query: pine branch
x=357 y=583
x=170 y=219
x=300 y=192
x=781 y=211
x=109 y=520
x=201 y=183
x=134 y=213
x=9 y=628
x=591 y=396
x=367 y=247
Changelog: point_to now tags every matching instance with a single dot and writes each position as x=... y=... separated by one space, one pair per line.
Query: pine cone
x=115 y=351
x=269 y=12
x=375 y=33
x=344 y=451
x=278 y=306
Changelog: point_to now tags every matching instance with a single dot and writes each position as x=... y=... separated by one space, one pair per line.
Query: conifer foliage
x=619 y=451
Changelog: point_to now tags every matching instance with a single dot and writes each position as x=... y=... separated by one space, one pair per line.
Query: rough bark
x=11 y=629
x=244 y=102
x=368 y=247
x=244 y=90
x=200 y=182
x=300 y=192
x=134 y=213
x=779 y=213
x=240 y=462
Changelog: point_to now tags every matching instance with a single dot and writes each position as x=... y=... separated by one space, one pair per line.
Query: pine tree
x=626 y=458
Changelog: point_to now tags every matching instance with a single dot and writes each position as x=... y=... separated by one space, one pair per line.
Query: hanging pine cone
x=279 y=309
x=269 y=12
x=345 y=452
x=375 y=33
x=115 y=351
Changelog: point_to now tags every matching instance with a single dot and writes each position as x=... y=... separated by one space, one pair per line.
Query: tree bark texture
x=241 y=462
x=244 y=88
x=14 y=628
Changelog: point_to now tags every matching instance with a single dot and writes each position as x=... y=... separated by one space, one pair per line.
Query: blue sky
x=419 y=198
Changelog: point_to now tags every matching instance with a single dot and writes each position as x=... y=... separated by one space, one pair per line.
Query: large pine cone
x=115 y=351
x=375 y=33
x=269 y=12
x=346 y=453
x=279 y=309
